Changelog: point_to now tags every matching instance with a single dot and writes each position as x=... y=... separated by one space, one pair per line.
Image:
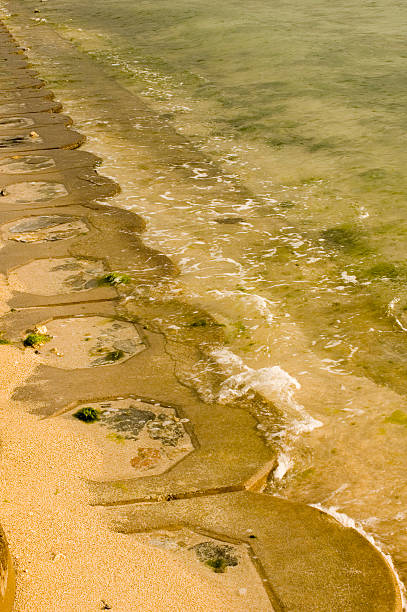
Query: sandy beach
x=66 y=557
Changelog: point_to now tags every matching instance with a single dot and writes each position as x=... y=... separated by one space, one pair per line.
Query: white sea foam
x=262 y=304
x=284 y=465
x=363 y=213
x=225 y=357
x=347 y=521
x=273 y=383
x=391 y=312
x=256 y=302
x=349 y=278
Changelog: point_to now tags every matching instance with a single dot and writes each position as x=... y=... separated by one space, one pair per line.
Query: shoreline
x=209 y=473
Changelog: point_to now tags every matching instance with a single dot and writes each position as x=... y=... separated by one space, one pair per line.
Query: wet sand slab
x=105 y=379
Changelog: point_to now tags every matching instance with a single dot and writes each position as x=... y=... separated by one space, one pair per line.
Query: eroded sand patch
x=9 y=142
x=136 y=438
x=34 y=191
x=21 y=164
x=90 y=341
x=226 y=564
x=44 y=228
x=56 y=276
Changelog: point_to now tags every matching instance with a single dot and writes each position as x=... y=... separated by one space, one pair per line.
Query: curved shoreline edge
x=306 y=559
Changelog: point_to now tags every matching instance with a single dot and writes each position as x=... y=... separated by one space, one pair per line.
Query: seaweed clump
x=114 y=355
x=87 y=414
x=35 y=339
x=385 y=270
x=115 y=278
x=215 y=556
x=199 y=323
x=374 y=174
x=205 y=323
x=218 y=565
x=108 y=358
x=344 y=237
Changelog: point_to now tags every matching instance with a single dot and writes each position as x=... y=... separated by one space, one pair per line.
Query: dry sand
x=66 y=557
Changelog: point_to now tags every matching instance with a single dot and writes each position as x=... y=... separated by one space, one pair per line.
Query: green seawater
x=318 y=92
x=292 y=117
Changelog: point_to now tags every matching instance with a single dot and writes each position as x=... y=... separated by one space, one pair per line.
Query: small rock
x=242 y=591
x=34 y=134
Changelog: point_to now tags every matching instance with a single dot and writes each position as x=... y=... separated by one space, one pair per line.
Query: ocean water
x=265 y=145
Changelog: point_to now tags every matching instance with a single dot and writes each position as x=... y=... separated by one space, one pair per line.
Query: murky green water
x=289 y=117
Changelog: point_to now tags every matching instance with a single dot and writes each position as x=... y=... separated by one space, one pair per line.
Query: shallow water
x=264 y=144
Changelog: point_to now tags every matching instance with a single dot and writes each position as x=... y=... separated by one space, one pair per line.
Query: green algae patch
x=386 y=269
x=218 y=565
x=398 y=417
x=114 y=355
x=33 y=339
x=240 y=327
x=199 y=323
x=87 y=414
x=205 y=323
x=344 y=237
x=4 y=340
x=374 y=174
x=310 y=180
x=217 y=557
x=115 y=278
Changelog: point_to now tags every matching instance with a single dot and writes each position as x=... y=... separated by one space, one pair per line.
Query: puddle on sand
x=21 y=164
x=32 y=192
x=136 y=438
x=56 y=276
x=86 y=342
x=46 y=228
x=9 y=142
